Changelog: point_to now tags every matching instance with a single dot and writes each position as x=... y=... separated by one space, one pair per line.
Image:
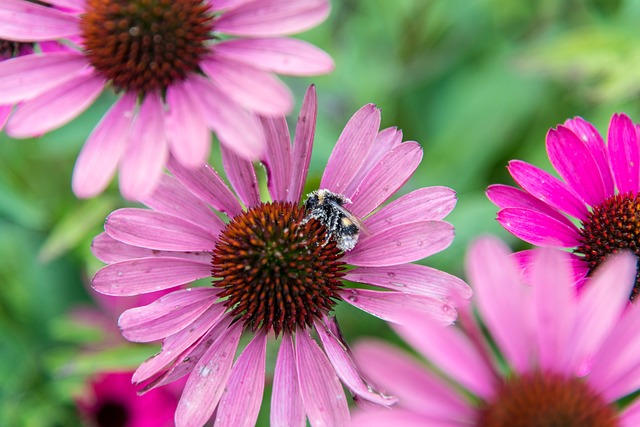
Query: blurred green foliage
x=476 y=82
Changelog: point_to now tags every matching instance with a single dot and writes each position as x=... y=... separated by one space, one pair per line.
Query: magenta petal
x=167 y=315
x=322 y=394
x=352 y=149
x=386 y=177
x=26 y=77
x=110 y=250
x=538 y=228
x=400 y=417
x=576 y=165
x=100 y=155
x=205 y=183
x=75 y=5
x=424 y=204
x=29 y=22
x=208 y=380
x=242 y=175
x=624 y=152
x=302 y=144
x=157 y=230
x=286 y=402
x=342 y=362
x=273 y=17
x=144 y=275
x=413 y=279
x=547 y=188
x=392 y=306
x=240 y=403
x=400 y=244
x=278 y=156
x=630 y=416
x=5 y=110
x=54 y=108
x=147 y=151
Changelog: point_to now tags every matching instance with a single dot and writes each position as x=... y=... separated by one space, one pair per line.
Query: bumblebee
x=327 y=207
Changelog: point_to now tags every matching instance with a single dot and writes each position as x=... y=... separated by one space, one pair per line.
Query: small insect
x=327 y=207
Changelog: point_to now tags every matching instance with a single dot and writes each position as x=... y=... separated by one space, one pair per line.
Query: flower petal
x=624 y=152
x=24 y=21
x=278 y=156
x=240 y=403
x=399 y=417
x=302 y=144
x=286 y=402
x=630 y=416
x=110 y=250
x=157 y=230
x=242 y=175
x=401 y=244
x=538 y=229
x=144 y=275
x=5 y=110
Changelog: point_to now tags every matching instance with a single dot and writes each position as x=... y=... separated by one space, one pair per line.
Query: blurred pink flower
x=181 y=68
x=112 y=401
x=599 y=187
x=277 y=272
x=548 y=357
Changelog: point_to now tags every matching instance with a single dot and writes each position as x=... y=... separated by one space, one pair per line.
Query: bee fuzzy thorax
x=328 y=208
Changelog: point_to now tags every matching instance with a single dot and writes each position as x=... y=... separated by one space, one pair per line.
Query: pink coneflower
x=599 y=188
x=112 y=401
x=181 y=67
x=277 y=272
x=547 y=358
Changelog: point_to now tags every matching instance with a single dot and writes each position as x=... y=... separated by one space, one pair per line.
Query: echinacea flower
x=549 y=356
x=111 y=400
x=599 y=187
x=180 y=67
x=277 y=272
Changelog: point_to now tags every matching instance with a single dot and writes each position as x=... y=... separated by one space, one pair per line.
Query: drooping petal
x=278 y=156
x=286 y=401
x=242 y=176
x=24 y=21
x=630 y=416
x=100 y=155
x=109 y=250
x=624 y=152
x=240 y=403
x=401 y=244
x=538 y=229
x=302 y=144
x=279 y=55
x=144 y=275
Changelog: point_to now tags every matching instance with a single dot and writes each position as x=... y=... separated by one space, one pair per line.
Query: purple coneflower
x=181 y=67
x=277 y=272
x=547 y=358
x=599 y=187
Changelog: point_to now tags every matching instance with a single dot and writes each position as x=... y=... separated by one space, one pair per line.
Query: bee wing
x=344 y=211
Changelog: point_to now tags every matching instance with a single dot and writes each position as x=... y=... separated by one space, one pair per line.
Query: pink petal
x=417 y=388
x=630 y=416
x=278 y=55
x=5 y=110
x=208 y=380
x=258 y=91
x=146 y=153
x=187 y=133
x=144 y=275
x=389 y=174
x=576 y=165
x=590 y=136
x=352 y=149
x=413 y=279
x=242 y=175
x=278 y=156
x=160 y=231
x=286 y=401
x=28 y=76
x=624 y=153
x=342 y=361
x=322 y=395
x=391 y=306
x=76 y=5
x=273 y=17
x=240 y=403
x=205 y=183
x=526 y=260
x=547 y=188
x=538 y=228
x=28 y=22
x=398 y=417
x=400 y=244
x=54 y=108
x=172 y=198
x=100 y=155
x=233 y=125
x=167 y=315
x=503 y=302
x=302 y=144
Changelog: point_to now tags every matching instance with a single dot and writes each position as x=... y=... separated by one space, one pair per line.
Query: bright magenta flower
x=181 y=67
x=599 y=188
x=549 y=357
x=276 y=271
